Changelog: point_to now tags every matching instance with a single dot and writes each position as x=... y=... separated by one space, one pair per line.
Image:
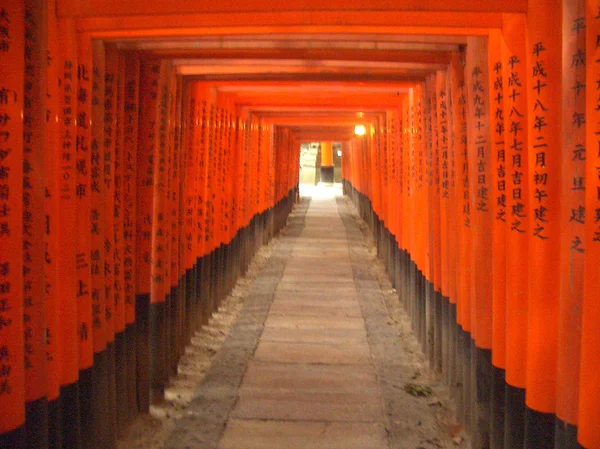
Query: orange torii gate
x=478 y=173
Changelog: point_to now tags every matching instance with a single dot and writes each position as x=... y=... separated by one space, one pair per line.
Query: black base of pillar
x=327 y=174
x=539 y=430
x=36 y=423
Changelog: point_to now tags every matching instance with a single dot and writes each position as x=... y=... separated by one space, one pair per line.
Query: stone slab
x=314 y=353
x=254 y=434
x=300 y=405
x=311 y=378
x=314 y=323
x=320 y=309
x=294 y=335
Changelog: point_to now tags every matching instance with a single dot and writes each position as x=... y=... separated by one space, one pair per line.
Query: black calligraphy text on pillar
x=498 y=141
x=539 y=125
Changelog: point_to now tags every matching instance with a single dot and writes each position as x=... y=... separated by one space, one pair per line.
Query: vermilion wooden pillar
x=99 y=377
x=12 y=385
x=571 y=221
x=130 y=140
x=84 y=205
x=67 y=279
x=52 y=172
x=544 y=121
x=514 y=57
x=149 y=76
x=34 y=149
x=589 y=393
x=480 y=178
x=499 y=227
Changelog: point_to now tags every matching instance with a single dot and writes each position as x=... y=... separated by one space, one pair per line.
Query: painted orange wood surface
x=514 y=56
x=498 y=196
x=12 y=383
x=544 y=61
x=589 y=393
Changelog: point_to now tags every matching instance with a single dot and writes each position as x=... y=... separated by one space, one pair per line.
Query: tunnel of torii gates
x=148 y=150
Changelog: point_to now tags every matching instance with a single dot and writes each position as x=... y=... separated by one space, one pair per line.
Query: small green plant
x=418 y=390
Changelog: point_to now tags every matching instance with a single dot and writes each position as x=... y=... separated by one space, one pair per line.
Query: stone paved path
x=314 y=360
x=312 y=382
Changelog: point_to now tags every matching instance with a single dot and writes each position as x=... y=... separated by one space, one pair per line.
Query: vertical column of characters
x=394 y=165
x=382 y=159
x=363 y=169
x=371 y=173
x=159 y=252
x=227 y=185
x=176 y=180
x=451 y=206
x=34 y=192
x=185 y=129
x=125 y=399
x=217 y=188
x=209 y=153
x=443 y=176
x=245 y=185
x=572 y=209
x=12 y=374
x=388 y=166
x=276 y=145
x=202 y=163
x=267 y=167
x=393 y=196
x=108 y=144
x=397 y=145
x=287 y=148
x=99 y=210
x=52 y=172
x=159 y=220
x=435 y=188
x=149 y=71
x=254 y=157
x=420 y=199
x=263 y=161
x=498 y=207
x=83 y=199
x=67 y=243
x=544 y=142
x=265 y=158
x=118 y=225
x=406 y=176
x=170 y=211
x=515 y=92
x=130 y=143
x=224 y=157
x=463 y=193
x=190 y=181
x=427 y=143
x=281 y=153
x=480 y=158
x=589 y=392
x=381 y=146
x=167 y=211
x=242 y=167
x=389 y=207
x=146 y=160
x=259 y=168
x=232 y=178
x=218 y=175
x=377 y=178
x=272 y=164
x=206 y=173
